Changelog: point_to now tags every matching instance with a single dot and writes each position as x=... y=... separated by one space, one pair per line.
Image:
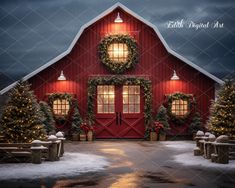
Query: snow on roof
x=70 y=164
x=106 y=12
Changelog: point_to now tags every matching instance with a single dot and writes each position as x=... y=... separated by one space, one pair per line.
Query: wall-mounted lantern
x=61 y=77
x=118 y=19
x=175 y=76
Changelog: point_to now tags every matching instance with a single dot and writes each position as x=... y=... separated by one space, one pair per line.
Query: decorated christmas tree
x=222 y=111
x=162 y=118
x=48 y=119
x=76 y=119
x=21 y=118
x=196 y=123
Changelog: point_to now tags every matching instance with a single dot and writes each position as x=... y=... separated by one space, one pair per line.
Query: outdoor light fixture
x=61 y=77
x=118 y=19
x=175 y=77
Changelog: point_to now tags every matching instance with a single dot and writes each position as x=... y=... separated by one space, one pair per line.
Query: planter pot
x=162 y=137
x=75 y=137
x=90 y=136
x=82 y=137
x=153 y=136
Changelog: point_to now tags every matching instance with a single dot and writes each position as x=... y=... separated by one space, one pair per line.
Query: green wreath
x=176 y=96
x=61 y=119
x=116 y=66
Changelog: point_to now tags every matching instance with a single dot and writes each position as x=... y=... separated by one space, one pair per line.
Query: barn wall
x=154 y=61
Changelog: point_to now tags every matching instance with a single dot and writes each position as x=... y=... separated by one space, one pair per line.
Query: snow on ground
x=187 y=158
x=179 y=145
x=70 y=164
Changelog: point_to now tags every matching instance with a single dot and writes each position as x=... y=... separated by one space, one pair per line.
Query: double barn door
x=119 y=112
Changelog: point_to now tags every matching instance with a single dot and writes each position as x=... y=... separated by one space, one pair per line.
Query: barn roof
x=106 y=12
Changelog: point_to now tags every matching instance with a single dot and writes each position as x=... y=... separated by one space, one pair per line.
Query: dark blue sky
x=34 y=32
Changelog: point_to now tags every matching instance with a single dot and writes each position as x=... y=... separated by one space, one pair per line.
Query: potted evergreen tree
x=195 y=125
x=76 y=122
x=161 y=122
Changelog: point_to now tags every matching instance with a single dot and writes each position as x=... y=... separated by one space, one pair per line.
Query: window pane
x=137 y=108
x=125 y=99
x=105 y=99
x=131 y=99
x=61 y=107
x=118 y=52
x=125 y=108
x=106 y=108
x=179 y=107
x=100 y=108
x=111 y=108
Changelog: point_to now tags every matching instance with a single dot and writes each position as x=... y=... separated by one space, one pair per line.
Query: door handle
x=116 y=118
x=120 y=118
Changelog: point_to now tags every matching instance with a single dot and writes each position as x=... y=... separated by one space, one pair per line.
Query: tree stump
x=197 y=151
x=223 y=155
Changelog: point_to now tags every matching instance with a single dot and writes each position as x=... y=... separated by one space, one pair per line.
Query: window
x=105 y=99
x=118 y=52
x=61 y=106
x=179 y=107
x=131 y=99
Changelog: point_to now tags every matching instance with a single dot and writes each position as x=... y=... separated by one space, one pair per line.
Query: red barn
x=120 y=70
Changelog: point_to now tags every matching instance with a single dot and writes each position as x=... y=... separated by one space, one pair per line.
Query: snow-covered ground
x=187 y=158
x=70 y=164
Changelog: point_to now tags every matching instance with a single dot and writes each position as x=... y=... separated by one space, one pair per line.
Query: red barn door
x=119 y=112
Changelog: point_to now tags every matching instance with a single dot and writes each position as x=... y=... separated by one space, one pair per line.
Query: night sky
x=34 y=32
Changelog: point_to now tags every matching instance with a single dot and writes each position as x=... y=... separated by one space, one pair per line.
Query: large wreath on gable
x=117 y=66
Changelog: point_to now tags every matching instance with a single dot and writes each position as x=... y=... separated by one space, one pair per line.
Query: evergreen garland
x=120 y=80
x=176 y=96
x=116 y=66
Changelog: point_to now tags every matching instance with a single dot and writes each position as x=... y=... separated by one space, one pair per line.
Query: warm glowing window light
x=61 y=107
x=179 y=107
x=118 y=52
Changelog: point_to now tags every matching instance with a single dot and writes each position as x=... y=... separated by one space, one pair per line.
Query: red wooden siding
x=154 y=61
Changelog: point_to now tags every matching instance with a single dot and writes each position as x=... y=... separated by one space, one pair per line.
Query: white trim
x=106 y=12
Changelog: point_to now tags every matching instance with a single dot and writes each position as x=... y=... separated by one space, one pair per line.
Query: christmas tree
x=21 y=118
x=222 y=111
x=162 y=118
x=196 y=123
x=48 y=119
x=76 y=119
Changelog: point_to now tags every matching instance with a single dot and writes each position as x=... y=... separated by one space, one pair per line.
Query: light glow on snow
x=180 y=145
x=70 y=164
